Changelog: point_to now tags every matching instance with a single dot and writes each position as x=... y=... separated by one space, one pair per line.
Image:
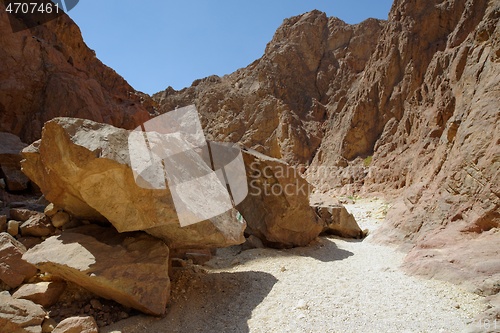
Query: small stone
x=37 y=225
x=96 y=304
x=2 y=184
x=48 y=325
x=123 y=315
x=283 y=269
x=13 y=227
x=51 y=210
x=84 y=324
x=44 y=293
x=60 y=219
x=302 y=305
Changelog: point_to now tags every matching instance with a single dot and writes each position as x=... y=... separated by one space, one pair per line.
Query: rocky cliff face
x=278 y=104
x=407 y=107
x=48 y=71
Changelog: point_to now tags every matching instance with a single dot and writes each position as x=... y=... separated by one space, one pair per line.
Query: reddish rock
x=407 y=108
x=278 y=104
x=44 y=293
x=3 y=223
x=37 y=225
x=48 y=71
x=22 y=214
x=19 y=315
x=13 y=269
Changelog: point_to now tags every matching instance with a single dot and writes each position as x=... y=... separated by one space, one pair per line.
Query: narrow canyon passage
x=333 y=285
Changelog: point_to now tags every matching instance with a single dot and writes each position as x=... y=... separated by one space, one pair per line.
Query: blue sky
x=156 y=44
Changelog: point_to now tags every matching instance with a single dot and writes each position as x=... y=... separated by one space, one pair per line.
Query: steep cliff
x=48 y=71
x=278 y=104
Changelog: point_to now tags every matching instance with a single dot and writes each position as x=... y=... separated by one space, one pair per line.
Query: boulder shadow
x=325 y=251
x=205 y=303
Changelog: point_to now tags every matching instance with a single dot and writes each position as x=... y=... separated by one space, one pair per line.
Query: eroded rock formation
x=48 y=71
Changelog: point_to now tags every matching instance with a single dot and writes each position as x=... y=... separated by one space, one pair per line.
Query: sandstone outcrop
x=109 y=264
x=84 y=167
x=277 y=207
x=48 y=71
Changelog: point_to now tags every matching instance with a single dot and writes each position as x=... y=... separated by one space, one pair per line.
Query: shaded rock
x=60 y=219
x=338 y=221
x=252 y=242
x=22 y=214
x=91 y=178
x=83 y=324
x=29 y=242
x=13 y=227
x=19 y=315
x=130 y=268
x=48 y=325
x=13 y=269
x=38 y=225
x=277 y=206
x=10 y=158
x=44 y=293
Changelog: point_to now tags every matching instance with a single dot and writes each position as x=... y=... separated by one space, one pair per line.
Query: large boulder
x=130 y=268
x=277 y=206
x=85 y=168
x=20 y=315
x=10 y=158
x=13 y=269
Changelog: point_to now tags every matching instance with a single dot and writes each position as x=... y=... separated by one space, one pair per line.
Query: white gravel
x=334 y=285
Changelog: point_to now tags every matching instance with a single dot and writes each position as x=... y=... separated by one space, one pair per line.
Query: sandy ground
x=333 y=285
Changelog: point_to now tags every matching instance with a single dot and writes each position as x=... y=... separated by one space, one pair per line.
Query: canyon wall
x=407 y=107
x=48 y=71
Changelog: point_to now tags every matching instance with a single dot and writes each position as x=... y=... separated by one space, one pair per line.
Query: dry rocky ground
x=332 y=285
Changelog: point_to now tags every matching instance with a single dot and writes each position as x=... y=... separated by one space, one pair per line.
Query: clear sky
x=154 y=44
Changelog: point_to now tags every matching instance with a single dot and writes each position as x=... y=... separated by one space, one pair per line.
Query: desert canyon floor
x=333 y=285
